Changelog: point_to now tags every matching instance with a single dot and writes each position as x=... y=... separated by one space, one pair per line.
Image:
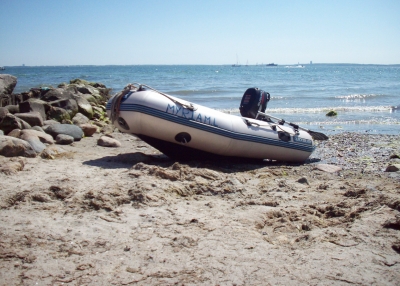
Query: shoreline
x=130 y=215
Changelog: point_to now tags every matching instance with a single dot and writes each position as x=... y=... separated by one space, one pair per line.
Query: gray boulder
x=7 y=84
x=67 y=129
x=63 y=139
x=79 y=119
x=69 y=105
x=12 y=147
x=43 y=137
x=11 y=122
x=33 y=118
x=35 y=105
x=84 y=107
x=57 y=94
x=58 y=114
x=36 y=139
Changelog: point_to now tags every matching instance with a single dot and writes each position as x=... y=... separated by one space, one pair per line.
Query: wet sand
x=130 y=215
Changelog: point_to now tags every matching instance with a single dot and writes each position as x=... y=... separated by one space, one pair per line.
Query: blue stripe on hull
x=212 y=129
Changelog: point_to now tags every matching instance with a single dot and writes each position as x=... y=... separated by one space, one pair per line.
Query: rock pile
x=33 y=120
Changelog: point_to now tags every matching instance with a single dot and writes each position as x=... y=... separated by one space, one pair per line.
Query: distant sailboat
x=237 y=63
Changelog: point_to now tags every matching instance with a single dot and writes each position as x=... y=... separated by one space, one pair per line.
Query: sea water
x=366 y=97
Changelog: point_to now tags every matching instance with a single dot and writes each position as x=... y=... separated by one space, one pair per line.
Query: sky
x=210 y=32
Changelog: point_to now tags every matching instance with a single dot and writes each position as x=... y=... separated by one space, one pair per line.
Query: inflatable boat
x=182 y=129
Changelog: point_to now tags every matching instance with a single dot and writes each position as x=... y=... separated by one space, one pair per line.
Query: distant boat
x=2 y=68
x=237 y=63
x=271 y=65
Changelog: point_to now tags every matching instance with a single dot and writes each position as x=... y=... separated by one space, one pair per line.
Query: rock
x=80 y=119
x=12 y=109
x=7 y=84
x=11 y=122
x=35 y=105
x=33 y=118
x=50 y=122
x=3 y=112
x=12 y=147
x=37 y=128
x=11 y=166
x=63 y=139
x=88 y=129
x=328 y=168
x=84 y=107
x=98 y=112
x=44 y=137
x=36 y=139
x=58 y=94
x=58 y=114
x=15 y=133
x=1 y=133
x=108 y=129
x=67 y=129
x=53 y=151
x=106 y=141
x=332 y=113
x=393 y=168
x=69 y=105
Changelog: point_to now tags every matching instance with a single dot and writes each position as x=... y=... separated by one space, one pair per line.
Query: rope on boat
x=132 y=87
x=116 y=101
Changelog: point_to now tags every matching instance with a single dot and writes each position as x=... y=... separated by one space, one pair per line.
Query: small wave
x=356 y=96
x=354 y=122
x=319 y=110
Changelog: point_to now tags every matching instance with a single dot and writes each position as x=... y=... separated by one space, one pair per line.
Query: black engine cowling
x=253 y=101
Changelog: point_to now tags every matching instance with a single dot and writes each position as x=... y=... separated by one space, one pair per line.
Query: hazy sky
x=125 y=32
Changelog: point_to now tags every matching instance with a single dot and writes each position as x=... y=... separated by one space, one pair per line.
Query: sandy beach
x=94 y=215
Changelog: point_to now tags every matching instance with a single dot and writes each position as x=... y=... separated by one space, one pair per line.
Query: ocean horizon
x=366 y=96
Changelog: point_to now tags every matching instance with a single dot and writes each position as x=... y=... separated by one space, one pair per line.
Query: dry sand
x=130 y=215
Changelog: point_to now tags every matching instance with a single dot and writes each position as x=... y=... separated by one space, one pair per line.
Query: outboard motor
x=253 y=101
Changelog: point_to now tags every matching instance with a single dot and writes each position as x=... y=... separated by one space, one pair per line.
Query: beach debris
x=396 y=247
x=54 y=151
x=328 y=168
x=11 y=166
x=393 y=223
x=393 y=168
x=303 y=180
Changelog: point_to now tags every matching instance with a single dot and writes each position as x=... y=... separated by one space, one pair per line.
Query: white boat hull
x=176 y=130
